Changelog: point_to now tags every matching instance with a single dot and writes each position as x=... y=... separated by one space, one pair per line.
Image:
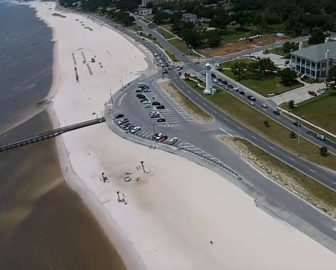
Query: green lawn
x=320 y=110
x=264 y=86
x=276 y=132
x=293 y=180
x=180 y=45
x=165 y=34
x=278 y=51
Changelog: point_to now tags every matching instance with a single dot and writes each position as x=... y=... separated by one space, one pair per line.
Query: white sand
x=173 y=212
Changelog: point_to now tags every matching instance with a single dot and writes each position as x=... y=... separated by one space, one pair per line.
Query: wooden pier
x=48 y=134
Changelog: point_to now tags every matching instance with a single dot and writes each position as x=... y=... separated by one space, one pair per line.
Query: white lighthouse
x=208 y=80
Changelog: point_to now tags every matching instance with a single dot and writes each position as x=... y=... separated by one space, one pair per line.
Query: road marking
x=292 y=159
x=254 y=137
x=238 y=127
x=312 y=170
x=225 y=132
x=120 y=100
x=271 y=147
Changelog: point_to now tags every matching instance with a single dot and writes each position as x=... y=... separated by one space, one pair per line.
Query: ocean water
x=43 y=224
x=25 y=64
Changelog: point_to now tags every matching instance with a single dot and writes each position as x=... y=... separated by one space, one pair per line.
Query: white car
x=264 y=105
x=252 y=103
x=321 y=137
x=172 y=141
x=135 y=129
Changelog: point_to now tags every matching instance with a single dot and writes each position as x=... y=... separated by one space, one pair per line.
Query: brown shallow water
x=44 y=224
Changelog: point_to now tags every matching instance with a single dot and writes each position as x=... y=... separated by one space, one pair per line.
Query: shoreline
x=127 y=240
x=110 y=227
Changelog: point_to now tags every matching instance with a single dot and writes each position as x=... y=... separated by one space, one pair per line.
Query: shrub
x=324 y=151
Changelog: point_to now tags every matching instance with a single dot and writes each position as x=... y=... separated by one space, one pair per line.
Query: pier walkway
x=48 y=134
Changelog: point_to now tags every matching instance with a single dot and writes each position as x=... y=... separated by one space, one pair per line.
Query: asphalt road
x=203 y=136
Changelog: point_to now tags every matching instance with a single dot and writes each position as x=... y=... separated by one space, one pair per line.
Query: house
x=314 y=61
x=145 y=11
x=190 y=17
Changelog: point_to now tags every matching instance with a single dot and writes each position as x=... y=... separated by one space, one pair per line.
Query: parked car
x=161 y=120
x=155 y=116
x=122 y=121
x=155 y=103
x=203 y=73
x=242 y=92
x=158 y=136
x=312 y=93
x=172 y=141
x=160 y=107
x=138 y=90
x=252 y=103
x=297 y=124
x=140 y=96
x=119 y=115
x=264 y=105
x=164 y=138
x=135 y=129
x=276 y=112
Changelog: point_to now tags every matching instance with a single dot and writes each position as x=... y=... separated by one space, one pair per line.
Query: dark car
x=230 y=86
x=155 y=116
x=225 y=82
x=163 y=138
x=161 y=120
x=119 y=115
x=160 y=107
x=242 y=92
x=138 y=90
x=140 y=96
x=297 y=124
x=276 y=112
x=156 y=103
x=251 y=98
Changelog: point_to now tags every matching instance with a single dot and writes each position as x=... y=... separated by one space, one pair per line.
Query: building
x=190 y=17
x=145 y=11
x=314 y=61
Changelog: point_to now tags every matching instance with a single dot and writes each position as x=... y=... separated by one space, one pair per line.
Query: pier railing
x=48 y=134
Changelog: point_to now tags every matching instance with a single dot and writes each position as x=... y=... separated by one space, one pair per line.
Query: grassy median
x=165 y=33
x=273 y=131
x=190 y=107
x=296 y=182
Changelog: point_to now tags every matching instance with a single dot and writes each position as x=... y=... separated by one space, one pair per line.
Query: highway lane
x=204 y=137
x=270 y=190
x=316 y=172
x=320 y=174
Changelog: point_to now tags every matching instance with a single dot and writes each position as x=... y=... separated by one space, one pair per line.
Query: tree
x=263 y=65
x=316 y=37
x=239 y=69
x=332 y=75
x=287 y=76
x=292 y=135
x=291 y=104
x=214 y=39
x=266 y=123
x=324 y=151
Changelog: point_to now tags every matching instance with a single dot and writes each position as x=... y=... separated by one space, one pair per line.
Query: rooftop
x=317 y=52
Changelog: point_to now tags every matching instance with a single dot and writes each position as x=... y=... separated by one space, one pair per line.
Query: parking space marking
x=174 y=105
x=226 y=132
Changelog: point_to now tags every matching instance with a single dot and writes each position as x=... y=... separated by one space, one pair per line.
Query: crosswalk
x=172 y=103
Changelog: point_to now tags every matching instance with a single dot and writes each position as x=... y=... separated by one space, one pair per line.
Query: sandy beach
x=176 y=215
